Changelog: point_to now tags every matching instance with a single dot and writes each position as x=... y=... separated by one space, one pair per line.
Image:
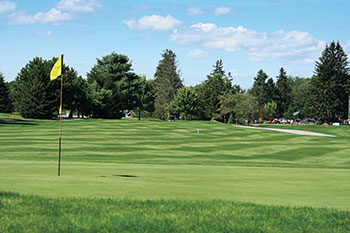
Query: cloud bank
x=65 y=10
x=7 y=6
x=299 y=47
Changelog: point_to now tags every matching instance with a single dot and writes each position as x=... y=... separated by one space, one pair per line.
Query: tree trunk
x=70 y=114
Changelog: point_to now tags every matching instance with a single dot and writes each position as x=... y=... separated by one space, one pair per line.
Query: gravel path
x=299 y=132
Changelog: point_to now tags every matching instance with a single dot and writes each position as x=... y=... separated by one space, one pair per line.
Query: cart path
x=292 y=131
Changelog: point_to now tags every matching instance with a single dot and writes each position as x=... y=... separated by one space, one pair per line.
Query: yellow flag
x=60 y=111
x=56 y=70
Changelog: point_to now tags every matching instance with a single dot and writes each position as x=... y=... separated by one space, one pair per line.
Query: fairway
x=151 y=159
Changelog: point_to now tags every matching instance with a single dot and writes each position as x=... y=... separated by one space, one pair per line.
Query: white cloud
x=194 y=11
x=295 y=46
x=153 y=22
x=53 y=16
x=130 y=23
x=222 y=10
x=44 y=33
x=65 y=10
x=197 y=53
x=87 y=6
x=7 y=6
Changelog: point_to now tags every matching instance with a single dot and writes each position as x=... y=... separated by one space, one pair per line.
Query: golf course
x=180 y=176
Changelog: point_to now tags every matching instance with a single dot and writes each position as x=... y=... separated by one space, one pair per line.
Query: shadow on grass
x=132 y=176
x=17 y=122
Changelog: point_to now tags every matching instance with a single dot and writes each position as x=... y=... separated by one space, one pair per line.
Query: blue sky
x=247 y=35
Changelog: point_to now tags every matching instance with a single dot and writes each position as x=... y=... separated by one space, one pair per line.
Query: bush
x=230 y=119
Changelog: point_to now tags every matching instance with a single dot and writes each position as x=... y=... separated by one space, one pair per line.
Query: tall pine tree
x=283 y=92
x=330 y=83
x=167 y=82
x=37 y=96
x=260 y=88
x=5 y=102
x=218 y=68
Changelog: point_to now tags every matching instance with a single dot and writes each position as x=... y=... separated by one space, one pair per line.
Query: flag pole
x=60 y=130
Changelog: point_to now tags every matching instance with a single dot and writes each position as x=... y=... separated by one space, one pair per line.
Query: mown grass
x=264 y=185
x=159 y=142
x=24 y=213
x=149 y=175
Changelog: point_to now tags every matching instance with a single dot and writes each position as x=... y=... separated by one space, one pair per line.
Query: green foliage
x=270 y=108
x=260 y=88
x=330 y=83
x=185 y=103
x=37 y=96
x=99 y=99
x=283 y=93
x=230 y=119
x=247 y=108
x=5 y=101
x=209 y=92
x=299 y=97
x=24 y=213
x=113 y=72
x=145 y=96
x=74 y=92
x=12 y=94
x=167 y=82
x=227 y=103
x=218 y=68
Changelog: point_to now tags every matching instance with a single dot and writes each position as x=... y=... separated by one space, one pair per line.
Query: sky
x=248 y=35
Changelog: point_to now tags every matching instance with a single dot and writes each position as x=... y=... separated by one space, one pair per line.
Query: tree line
x=112 y=87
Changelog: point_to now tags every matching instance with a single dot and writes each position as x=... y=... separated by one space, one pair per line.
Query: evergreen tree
x=75 y=92
x=329 y=85
x=167 y=82
x=211 y=90
x=37 y=96
x=12 y=94
x=5 y=101
x=271 y=91
x=260 y=88
x=113 y=72
x=218 y=68
x=283 y=93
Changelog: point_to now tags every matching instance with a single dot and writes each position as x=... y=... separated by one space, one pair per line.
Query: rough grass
x=23 y=213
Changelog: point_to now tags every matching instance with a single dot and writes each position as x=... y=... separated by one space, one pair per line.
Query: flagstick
x=60 y=130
